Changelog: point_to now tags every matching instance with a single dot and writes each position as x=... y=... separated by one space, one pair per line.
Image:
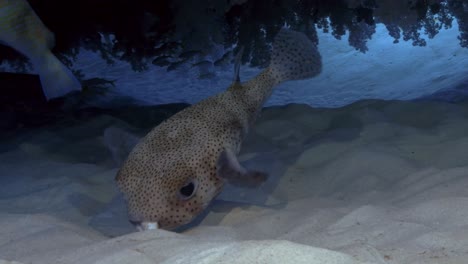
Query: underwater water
x=386 y=71
x=366 y=162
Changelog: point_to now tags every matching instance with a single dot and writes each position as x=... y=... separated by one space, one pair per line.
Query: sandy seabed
x=372 y=182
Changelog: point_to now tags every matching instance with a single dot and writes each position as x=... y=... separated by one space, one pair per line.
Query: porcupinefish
x=176 y=170
x=23 y=30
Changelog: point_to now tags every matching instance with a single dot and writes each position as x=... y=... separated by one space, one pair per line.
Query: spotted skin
x=186 y=148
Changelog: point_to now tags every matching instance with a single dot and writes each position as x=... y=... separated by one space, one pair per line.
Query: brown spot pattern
x=185 y=147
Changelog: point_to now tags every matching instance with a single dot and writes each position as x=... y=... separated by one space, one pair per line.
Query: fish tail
x=294 y=57
x=22 y=29
x=56 y=79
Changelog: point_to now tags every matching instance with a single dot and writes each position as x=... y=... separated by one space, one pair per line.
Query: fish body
x=202 y=64
x=177 y=169
x=22 y=29
x=224 y=59
x=162 y=61
x=208 y=75
x=189 y=54
x=175 y=65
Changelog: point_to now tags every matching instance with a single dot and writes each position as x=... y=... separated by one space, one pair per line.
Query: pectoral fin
x=228 y=168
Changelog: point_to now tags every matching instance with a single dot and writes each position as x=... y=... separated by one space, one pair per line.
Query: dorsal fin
x=237 y=64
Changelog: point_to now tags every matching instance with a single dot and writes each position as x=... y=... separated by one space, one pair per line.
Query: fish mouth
x=147 y=226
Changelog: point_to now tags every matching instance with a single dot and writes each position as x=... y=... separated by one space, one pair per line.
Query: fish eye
x=188 y=190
